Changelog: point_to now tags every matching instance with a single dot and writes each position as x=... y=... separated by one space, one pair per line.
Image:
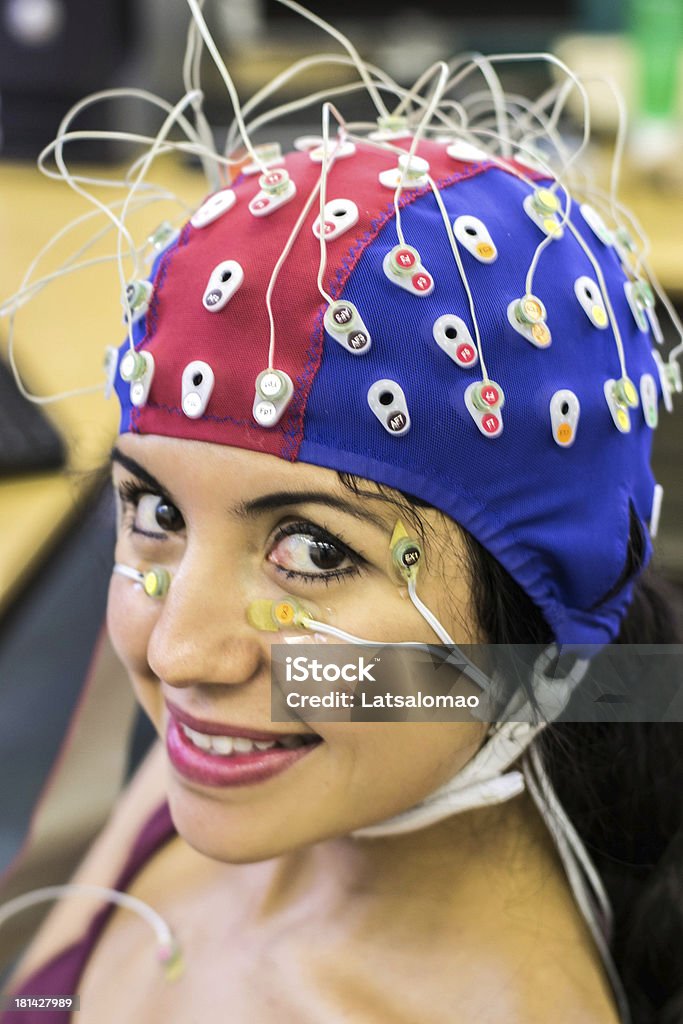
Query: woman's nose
x=202 y=634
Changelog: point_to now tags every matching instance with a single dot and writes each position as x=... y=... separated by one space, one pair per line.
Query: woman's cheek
x=130 y=619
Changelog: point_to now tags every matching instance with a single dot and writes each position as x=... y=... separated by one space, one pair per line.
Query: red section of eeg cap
x=235 y=340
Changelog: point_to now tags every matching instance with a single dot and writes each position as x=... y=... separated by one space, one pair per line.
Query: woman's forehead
x=205 y=472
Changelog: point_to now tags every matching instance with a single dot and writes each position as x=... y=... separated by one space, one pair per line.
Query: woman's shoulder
x=68 y=920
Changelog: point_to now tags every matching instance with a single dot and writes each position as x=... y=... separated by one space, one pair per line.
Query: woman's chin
x=233 y=835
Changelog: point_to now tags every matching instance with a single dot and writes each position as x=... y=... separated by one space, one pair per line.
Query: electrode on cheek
x=155 y=582
x=273 y=616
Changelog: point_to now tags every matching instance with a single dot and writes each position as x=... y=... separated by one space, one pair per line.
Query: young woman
x=381 y=339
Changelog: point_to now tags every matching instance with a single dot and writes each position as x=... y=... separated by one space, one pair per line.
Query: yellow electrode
x=406 y=552
x=273 y=616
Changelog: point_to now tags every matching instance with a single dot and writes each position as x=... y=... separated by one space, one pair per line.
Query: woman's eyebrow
x=280 y=499
x=267 y=502
x=134 y=467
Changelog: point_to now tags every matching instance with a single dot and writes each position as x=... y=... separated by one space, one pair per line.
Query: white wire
x=129 y=572
x=456 y=657
x=579 y=869
x=485 y=65
x=195 y=7
x=160 y=927
x=149 y=158
x=327 y=160
x=299 y=104
x=442 y=68
x=27 y=291
x=547 y=58
x=280 y=263
x=348 y=46
x=192 y=83
x=428 y=616
x=97 y=97
x=305 y=64
x=605 y=294
x=463 y=276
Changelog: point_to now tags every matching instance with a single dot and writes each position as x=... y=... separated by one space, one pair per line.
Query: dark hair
x=620 y=783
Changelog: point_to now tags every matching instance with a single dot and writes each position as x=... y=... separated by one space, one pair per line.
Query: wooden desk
x=61 y=335
x=60 y=339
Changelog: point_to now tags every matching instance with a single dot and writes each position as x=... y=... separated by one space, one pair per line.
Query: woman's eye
x=310 y=553
x=151 y=514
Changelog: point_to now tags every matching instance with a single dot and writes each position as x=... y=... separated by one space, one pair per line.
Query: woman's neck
x=453 y=859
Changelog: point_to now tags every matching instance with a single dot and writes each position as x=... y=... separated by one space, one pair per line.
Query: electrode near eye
x=407 y=556
x=155 y=582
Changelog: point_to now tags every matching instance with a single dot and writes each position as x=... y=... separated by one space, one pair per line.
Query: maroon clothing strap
x=61 y=975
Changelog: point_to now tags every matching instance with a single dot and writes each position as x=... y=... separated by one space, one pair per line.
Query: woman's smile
x=218 y=754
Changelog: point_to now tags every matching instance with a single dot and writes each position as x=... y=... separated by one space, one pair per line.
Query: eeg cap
x=544 y=476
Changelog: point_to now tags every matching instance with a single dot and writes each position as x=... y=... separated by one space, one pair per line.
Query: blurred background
x=65 y=704
x=52 y=52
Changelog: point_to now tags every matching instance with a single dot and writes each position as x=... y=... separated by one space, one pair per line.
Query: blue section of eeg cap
x=557 y=519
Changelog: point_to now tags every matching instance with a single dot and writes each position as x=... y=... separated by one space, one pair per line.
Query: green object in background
x=657 y=29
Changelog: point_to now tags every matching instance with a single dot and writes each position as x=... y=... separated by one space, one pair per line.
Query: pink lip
x=224 y=728
x=233 y=770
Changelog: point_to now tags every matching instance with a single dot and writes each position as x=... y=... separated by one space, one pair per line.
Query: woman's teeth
x=227 y=745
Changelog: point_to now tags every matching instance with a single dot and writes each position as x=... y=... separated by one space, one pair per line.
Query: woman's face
x=234 y=526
